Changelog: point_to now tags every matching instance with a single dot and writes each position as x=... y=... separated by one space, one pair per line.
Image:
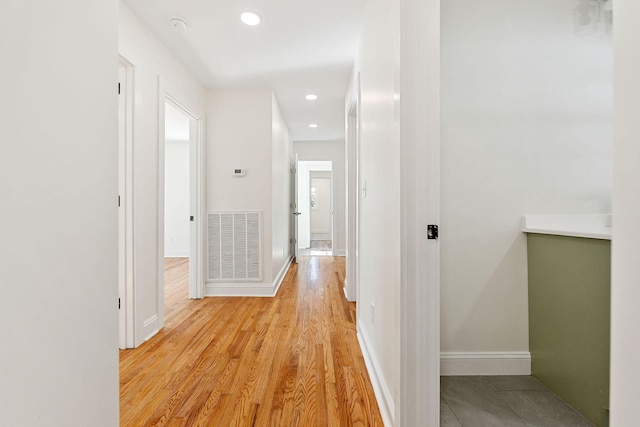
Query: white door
x=195 y=217
x=320 y=208
x=296 y=213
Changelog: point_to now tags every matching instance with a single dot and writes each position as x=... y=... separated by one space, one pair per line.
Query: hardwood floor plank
x=292 y=360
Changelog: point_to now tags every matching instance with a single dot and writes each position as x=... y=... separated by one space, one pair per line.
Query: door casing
x=126 y=301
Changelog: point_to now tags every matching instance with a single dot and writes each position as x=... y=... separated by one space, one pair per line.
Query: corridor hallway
x=289 y=360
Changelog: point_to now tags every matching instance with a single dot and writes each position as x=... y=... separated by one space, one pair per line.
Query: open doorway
x=177 y=204
x=315 y=204
x=180 y=202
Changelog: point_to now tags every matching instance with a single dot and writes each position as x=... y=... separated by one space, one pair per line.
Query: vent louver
x=234 y=246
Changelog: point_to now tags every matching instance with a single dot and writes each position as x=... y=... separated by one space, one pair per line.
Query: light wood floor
x=292 y=360
x=321 y=244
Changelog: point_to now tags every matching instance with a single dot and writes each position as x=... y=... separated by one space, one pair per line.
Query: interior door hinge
x=118 y=88
x=118 y=201
x=118 y=303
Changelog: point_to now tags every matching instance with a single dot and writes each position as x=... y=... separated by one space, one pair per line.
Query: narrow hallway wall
x=59 y=218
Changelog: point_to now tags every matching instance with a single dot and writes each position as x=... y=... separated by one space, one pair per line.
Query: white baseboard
x=485 y=363
x=176 y=255
x=247 y=289
x=380 y=387
x=238 y=289
x=281 y=274
x=340 y=252
x=320 y=236
x=151 y=327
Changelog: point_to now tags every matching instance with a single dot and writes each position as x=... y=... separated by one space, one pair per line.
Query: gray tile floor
x=481 y=401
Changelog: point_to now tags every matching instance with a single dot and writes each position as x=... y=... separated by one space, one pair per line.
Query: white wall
x=263 y=150
x=625 y=293
x=281 y=177
x=333 y=151
x=58 y=250
x=231 y=144
x=176 y=199
x=151 y=61
x=526 y=129
x=377 y=61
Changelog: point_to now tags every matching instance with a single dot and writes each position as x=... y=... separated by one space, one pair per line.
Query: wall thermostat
x=239 y=172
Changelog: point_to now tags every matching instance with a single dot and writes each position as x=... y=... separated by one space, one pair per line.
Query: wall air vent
x=234 y=246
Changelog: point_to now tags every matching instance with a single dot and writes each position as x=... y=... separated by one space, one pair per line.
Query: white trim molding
x=381 y=389
x=340 y=252
x=485 y=363
x=180 y=254
x=281 y=275
x=151 y=327
x=248 y=289
x=419 y=126
x=238 y=289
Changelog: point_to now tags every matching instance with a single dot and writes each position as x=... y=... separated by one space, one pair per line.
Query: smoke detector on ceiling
x=178 y=23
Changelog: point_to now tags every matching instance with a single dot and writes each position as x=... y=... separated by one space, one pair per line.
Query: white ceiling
x=301 y=47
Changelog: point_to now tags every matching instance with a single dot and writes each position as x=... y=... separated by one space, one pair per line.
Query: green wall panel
x=569 y=319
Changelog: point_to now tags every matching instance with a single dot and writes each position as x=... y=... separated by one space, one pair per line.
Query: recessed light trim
x=178 y=23
x=311 y=97
x=250 y=18
x=313 y=125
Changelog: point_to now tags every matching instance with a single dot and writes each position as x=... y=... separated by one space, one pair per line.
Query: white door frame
x=296 y=212
x=197 y=188
x=353 y=191
x=303 y=172
x=125 y=199
x=419 y=107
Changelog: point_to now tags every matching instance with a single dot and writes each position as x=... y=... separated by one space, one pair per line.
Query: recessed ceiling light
x=311 y=97
x=178 y=23
x=313 y=125
x=250 y=18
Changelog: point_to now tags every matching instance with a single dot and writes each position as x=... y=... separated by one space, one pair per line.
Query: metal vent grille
x=234 y=246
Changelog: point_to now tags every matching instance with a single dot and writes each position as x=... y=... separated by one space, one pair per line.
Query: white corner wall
x=379 y=291
x=625 y=292
x=152 y=63
x=333 y=151
x=526 y=129
x=59 y=223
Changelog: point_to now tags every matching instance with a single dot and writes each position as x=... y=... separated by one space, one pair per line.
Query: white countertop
x=589 y=226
